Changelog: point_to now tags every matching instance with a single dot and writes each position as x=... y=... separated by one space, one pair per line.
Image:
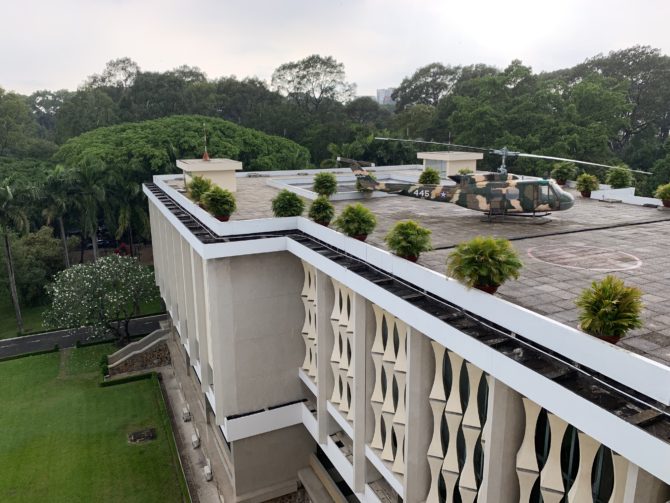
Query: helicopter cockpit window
x=543 y=194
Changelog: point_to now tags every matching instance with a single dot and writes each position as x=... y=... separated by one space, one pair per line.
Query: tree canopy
x=103 y=295
x=312 y=80
x=151 y=147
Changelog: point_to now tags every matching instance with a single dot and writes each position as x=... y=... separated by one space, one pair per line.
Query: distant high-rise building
x=384 y=96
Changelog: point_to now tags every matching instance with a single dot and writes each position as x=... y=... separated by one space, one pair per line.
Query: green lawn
x=32 y=316
x=64 y=438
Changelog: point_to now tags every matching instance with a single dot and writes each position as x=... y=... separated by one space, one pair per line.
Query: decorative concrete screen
x=309 y=332
x=458 y=399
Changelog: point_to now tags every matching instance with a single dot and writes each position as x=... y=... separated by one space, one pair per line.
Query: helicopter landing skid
x=524 y=218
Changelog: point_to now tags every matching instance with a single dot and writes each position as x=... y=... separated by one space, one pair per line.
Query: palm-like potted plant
x=197 y=187
x=484 y=263
x=609 y=309
x=219 y=202
x=324 y=184
x=408 y=239
x=321 y=211
x=587 y=183
x=563 y=171
x=287 y=204
x=663 y=193
x=356 y=221
x=430 y=176
x=620 y=177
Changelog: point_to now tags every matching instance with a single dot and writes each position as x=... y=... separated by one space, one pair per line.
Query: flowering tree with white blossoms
x=102 y=295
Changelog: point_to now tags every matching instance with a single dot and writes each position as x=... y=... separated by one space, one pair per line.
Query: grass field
x=64 y=438
x=32 y=316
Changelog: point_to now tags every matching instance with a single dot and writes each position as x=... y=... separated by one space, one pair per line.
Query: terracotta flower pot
x=325 y=223
x=360 y=237
x=666 y=203
x=586 y=193
x=411 y=258
x=488 y=288
x=612 y=339
x=223 y=218
x=560 y=182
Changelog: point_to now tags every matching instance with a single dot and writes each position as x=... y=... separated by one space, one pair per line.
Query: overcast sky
x=54 y=44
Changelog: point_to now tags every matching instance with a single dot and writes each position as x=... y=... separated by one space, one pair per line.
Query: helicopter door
x=545 y=198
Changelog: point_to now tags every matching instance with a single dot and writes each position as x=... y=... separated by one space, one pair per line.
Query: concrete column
x=180 y=284
x=420 y=372
x=501 y=438
x=641 y=487
x=359 y=392
x=220 y=323
x=324 y=305
x=200 y=318
x=189 y=303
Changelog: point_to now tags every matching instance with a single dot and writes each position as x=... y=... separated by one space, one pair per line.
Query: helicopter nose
x=566 y=201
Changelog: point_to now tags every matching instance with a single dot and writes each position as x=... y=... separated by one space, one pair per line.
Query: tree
x=44 y=106
x=427 y=86
x=119 y=73
x=57 y=192
x=313 y=80
x=16 y=124
x=37 y=257
x=366 y=111
x=12 y=218
x=141 y=150
x=414 y=122
x=88 y=177
x=126 y=207
x=646 y=71
x=101 y=295
x=87 y=109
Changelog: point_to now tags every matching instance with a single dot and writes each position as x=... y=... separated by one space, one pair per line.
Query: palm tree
x=126 y=207
x=56 y=193
x=12 y=217
x=89 y=191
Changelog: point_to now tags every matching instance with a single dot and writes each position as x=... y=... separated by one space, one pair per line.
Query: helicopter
x=498 y=193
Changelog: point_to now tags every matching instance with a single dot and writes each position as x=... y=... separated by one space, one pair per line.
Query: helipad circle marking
x=589 y=258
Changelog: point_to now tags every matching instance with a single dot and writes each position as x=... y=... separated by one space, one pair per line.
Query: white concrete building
x=368 y=378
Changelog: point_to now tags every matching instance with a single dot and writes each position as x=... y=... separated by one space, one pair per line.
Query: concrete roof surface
x=561 y=257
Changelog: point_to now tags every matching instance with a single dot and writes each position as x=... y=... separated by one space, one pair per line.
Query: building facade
x=321 y=358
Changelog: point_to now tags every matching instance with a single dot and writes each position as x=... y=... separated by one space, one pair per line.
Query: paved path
x=69 y=338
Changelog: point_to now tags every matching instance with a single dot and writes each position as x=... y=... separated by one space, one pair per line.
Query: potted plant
x=324 y=184
x=356 y=221
x=430 y=176
x=587 y=183
x=663 y=193
x=197 y=187
x=287 y=204
x=620 y=177
x=609 y=309
x=465 y=171
x=219 y=202
x=563 y=171
x=484 y=263
x=321 y=211
x=408 y=240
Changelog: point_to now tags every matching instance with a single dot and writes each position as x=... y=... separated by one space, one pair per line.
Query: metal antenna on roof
x=205 y=156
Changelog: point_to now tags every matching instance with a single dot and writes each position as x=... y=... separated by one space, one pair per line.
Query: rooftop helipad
x=561 y=256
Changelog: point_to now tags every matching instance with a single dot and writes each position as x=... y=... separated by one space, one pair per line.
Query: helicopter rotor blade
x=434 y=143
x=551 y=158
x=511 y=153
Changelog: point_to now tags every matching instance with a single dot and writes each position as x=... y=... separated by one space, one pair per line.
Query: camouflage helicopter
x=493 y=193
